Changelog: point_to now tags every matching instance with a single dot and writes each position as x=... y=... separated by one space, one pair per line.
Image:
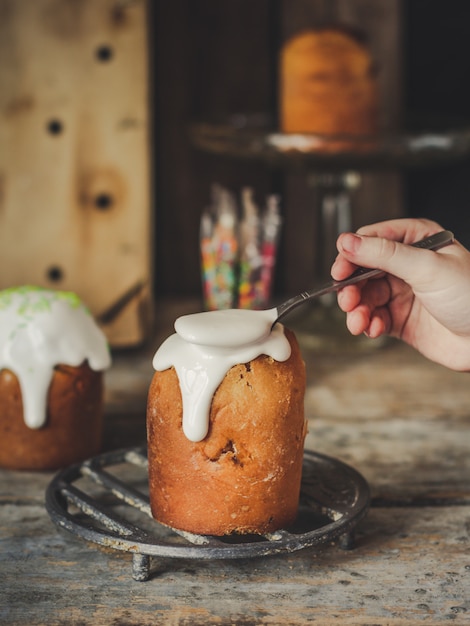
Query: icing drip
x=40 y=329
x=206 y=346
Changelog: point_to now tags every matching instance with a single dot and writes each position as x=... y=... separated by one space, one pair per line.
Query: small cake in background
x=235 y=466
x=328 y=84
x=52 y=357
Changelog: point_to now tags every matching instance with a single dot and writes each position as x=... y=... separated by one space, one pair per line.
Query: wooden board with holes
x=74 y=158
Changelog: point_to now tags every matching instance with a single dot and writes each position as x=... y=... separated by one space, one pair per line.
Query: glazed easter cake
x=226 y=426
x=52 y=357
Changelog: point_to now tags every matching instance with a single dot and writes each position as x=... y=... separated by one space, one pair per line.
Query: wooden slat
x=212 y=59
x=74 y=159
x=381 y=21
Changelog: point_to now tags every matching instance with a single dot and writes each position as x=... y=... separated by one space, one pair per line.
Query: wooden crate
x=74 y=156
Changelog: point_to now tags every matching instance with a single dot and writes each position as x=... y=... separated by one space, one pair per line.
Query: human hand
x=423 y=297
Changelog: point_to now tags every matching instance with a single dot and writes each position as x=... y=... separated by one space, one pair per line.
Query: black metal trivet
x=112 y=509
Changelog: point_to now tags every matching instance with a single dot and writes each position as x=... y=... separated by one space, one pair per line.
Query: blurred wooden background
x=214 y=59
x=75 y=205
x=101 y=190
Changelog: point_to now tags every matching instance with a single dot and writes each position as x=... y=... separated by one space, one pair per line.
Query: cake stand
x=252 y=137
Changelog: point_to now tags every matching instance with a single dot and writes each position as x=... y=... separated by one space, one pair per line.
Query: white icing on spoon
x=204 y=348
x=229 y=328
x=40 y=329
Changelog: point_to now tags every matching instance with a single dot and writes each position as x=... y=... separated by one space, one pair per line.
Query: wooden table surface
x=401 y=421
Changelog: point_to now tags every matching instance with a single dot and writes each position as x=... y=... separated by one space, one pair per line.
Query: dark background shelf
x=214 y=59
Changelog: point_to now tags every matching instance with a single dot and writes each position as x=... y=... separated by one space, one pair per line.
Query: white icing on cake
x=40 y=329
x=206 y=346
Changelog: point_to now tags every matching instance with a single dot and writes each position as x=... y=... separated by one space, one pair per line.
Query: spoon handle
x=433 y=242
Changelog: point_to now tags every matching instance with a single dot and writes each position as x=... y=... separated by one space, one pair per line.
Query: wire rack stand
x=105 y=500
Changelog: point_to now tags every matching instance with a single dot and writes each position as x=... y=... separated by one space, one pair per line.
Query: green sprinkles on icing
x=41 y=304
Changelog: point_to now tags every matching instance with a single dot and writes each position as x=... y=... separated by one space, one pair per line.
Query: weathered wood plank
x=212 y=59
x=381 y=22
x=410 y=566
x=74 y=158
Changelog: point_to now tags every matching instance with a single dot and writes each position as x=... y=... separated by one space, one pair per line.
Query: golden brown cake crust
x=328 y=84
x=73 y=427
x=245 y=475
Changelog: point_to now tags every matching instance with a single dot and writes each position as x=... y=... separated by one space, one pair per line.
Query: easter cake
x=328 y=84
x=52 y=357
x=226 y=431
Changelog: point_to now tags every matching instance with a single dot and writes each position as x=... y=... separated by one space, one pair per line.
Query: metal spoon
x=434 y=242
